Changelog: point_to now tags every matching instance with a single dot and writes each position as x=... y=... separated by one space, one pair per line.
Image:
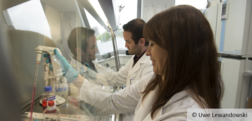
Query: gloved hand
x=68 y=71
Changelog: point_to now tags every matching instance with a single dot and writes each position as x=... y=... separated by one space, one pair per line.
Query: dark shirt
x=137 y=58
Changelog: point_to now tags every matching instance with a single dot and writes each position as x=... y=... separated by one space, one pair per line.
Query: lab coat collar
x=144 y=59
x=176 y=97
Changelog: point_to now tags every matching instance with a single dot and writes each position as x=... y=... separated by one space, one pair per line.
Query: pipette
x=34 y=90
x=56 y=72
x=35 y=82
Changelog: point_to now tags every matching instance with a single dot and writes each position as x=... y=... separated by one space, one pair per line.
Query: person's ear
x=141 y=42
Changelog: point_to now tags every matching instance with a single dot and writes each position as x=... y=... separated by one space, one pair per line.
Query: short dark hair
x=135 y=26
x=79 y=35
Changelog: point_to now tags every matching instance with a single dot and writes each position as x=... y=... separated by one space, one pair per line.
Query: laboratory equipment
x=230 y=21
x=52 y=110
x=34 y=86
x=51 y=107
x=51 y=77
x=62 y=88
x=47 y=96
x=18 y=43
x=237 y=84
x=63 y=117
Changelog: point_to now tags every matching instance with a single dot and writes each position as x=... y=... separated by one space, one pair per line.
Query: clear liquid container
x=47 y=95
x=61 y=89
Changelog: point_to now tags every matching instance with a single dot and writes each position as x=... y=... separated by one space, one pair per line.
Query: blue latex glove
x=68 y=71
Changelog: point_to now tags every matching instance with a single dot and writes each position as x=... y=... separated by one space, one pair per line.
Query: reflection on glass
x=103 y=37
x=30 y=16
x=32 y=23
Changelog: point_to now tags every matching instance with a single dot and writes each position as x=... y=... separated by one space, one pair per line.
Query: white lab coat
x=174 y=110
x=92 y=76
x=127 y=74
x=130 y=99
x=123 y=101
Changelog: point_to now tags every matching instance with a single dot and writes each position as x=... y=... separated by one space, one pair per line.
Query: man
x=138 y=68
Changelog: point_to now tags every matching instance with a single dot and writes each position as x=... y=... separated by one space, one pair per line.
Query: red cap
x=51 y=103
x=44 y=100
x=44 y=103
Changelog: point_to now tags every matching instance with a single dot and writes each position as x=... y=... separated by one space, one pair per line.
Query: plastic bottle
x=44 y=97
x=51 y=113
x=48 y=95
x=44 y=104
x=51 y=107
x=62 y=88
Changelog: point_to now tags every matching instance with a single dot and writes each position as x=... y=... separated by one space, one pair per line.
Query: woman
x=185 y=61
x=187 y=70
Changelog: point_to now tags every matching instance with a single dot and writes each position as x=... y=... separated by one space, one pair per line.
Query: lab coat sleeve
x=88 y=85
x=115 y=78
x=123 y=101
x=78 y=82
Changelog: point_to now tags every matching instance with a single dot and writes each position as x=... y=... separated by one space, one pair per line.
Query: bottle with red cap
x=44 y=104
x=51 y=111
x=48 y=95
x=51 y=107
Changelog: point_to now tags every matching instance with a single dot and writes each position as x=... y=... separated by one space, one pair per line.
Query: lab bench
x=86 y=111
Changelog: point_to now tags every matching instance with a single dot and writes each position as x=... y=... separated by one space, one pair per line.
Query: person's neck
x=143 y=49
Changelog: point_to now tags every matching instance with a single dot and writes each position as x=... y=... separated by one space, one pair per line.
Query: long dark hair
x=192 y=60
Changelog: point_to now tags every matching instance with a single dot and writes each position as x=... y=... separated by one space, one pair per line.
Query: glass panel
x=31 y=29
x=29 y=16
x=103 y=37
x=60 y=24
x=104 y=43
